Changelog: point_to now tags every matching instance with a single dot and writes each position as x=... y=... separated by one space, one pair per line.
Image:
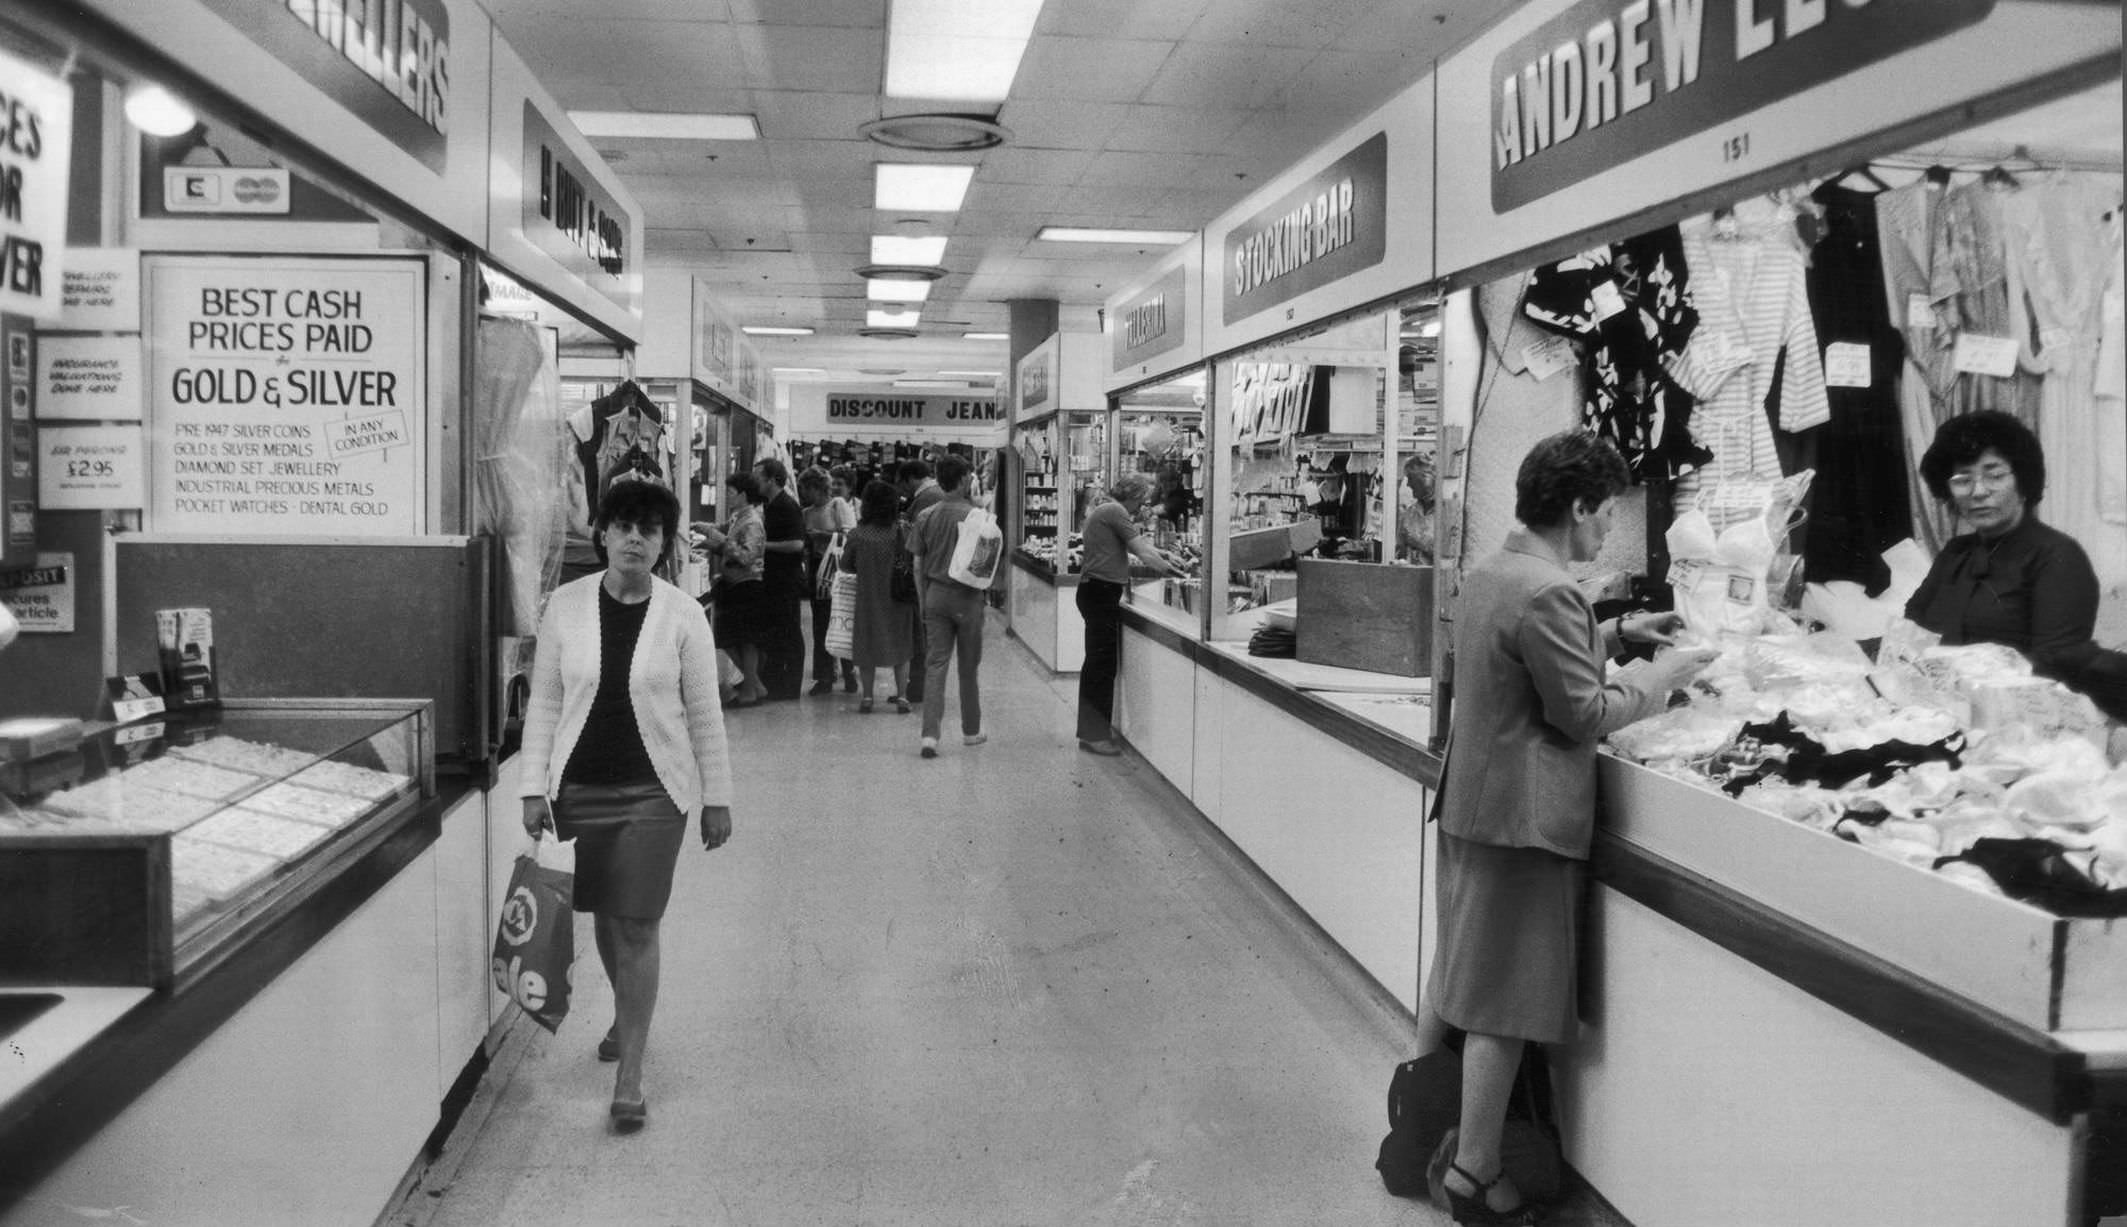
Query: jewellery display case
x=139 y=856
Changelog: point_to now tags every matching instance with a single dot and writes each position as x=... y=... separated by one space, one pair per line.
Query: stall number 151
x=1736 y=148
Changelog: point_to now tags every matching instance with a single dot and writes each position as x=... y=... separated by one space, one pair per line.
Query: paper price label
x=1977 y=354
x=1547 y=357
x=145 y=732
x=2055 y=338
x=125 y=711
x=1721 y=353
x=1607 y=300
x=1919 y=311
x=1846 y=365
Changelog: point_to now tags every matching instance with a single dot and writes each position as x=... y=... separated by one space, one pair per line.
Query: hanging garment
x=1860 y=507
x=2109 y=383
x=1907 y=220
x=620 y=432
x=1970 y=283
x=1753 y=363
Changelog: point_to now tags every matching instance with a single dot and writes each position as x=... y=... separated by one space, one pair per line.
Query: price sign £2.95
x=287 y=396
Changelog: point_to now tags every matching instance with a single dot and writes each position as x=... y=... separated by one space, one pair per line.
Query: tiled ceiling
x=1145 y=114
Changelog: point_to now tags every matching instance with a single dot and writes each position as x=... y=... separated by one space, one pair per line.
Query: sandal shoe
x=609 y=1047
x=1472 y=1210
x=629 y=1116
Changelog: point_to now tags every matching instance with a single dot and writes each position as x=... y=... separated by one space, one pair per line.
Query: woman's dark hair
x=1964 y=438
x=639 y=503
x=1574 y=464
x=748 y=487
x=880 y=504
x=843 y=473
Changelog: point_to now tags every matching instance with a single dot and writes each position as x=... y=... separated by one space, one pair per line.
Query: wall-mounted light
x=157 y=112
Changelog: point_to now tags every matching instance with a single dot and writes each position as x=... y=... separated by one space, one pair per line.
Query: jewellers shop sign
x=1153 y=322
x=873 y=409
x=388 y=61
x=1329 y=227
x=1606 y=81
x=570 y=216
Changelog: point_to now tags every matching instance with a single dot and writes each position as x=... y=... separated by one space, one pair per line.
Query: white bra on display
x=1746 y=545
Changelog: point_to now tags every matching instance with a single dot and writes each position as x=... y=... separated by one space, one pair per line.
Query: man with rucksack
x=951 y=612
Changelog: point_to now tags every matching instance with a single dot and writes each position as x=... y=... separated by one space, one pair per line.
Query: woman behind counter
x=1517 y=794
x=623 y=741
x=1112 y=539
x=2012 y=580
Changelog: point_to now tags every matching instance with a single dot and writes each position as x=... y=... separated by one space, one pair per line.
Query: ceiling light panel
x=957 y=50
x=919 y=188
x=882 y=290
x=666 y=125
x=1143 y=238
x=986 y=336
x=895 y=249
x=881 y=318
x=774 y=330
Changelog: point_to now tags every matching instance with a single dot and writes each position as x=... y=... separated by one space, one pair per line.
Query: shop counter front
x=1042 y=612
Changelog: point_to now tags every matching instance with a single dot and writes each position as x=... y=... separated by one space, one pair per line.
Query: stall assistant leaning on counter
x=623 y=740
x=1112 y=538
x=1517 y=793
x=2012 y=580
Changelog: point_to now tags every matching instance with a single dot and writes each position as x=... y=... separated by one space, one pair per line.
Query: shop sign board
x=89 y=378
x=715 y=343
x=36 y=147
x=101 y=290
x=1152 y=322
x=41 y=595
x=91 y=468
x=868 y=410
x=1034 y=380
x=1635 y=103
x=750 y=377
x=1606 y=79
x=287 y=396
x=1327 y=228
x=568 y=213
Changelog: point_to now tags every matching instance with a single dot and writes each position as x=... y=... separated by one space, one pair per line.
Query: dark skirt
x=741 y=614
x=628 y=838
x=1507 y=963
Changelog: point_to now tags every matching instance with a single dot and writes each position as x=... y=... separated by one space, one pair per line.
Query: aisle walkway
x=1015 y=985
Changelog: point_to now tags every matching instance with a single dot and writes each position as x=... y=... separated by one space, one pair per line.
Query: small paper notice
x=1919 y=311
x=1547 y=357
x=1977 y=354
x=1608 y=301
x=1846 y=365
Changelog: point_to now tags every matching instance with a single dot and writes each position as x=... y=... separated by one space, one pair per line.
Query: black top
x=610 y=749
x=783 y=520
x=2033 y=589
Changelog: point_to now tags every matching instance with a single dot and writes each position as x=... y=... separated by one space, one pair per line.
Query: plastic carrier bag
x=977 y=549
x=841 y=638
x=535 y=940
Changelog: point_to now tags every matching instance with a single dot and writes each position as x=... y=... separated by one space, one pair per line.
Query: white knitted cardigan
x=672 y=682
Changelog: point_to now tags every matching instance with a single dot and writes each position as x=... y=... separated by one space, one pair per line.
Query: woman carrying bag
x=885 y=630
x=827 y=518
x=623 y=746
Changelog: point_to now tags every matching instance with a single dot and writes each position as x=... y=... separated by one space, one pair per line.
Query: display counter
x=325 y=1007
x=1041 y=606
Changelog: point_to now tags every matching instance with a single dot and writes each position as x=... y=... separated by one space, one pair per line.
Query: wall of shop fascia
x=1174 y=290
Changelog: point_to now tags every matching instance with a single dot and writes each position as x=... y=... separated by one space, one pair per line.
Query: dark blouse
x=2032 y=589
x=610 y=749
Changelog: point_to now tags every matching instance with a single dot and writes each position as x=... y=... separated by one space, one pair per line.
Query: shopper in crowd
x=738 y=595
x=952 y=612
x=918 y=492
x=1112 y=540
x=1517 y=798
x=782 y=582
x=2012 y=580
x=1414 y=521
x=623 y=744
x=842 y=486
x=885 y=627
x=825 y=516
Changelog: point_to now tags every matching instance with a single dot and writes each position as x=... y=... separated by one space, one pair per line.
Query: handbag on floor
x=841 y=638
x=535 y=941
x=1424 y=1106
x=901 y=585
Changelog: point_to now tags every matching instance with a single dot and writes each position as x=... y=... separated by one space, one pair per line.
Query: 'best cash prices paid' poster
x=287 y=396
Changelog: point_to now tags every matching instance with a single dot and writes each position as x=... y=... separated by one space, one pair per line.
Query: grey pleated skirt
x=1508 y=958
x=628 y=839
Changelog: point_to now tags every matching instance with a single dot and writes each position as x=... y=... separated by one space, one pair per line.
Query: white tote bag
x=977 y=550
x=841 y=639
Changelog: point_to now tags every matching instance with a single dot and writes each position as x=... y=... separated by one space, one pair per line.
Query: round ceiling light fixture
x=888 y=334
x=937 y=132
x=882 y=370
x=901 y=272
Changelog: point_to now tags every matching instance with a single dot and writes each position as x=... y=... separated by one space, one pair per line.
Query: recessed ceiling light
x=882 y=370
x=1079 y=234
x=937 y=133
x=920 y=188
x=666 y=125
x=901 y=272
x=775 y=330
x=974 y=374
x=882 y=318
x=888 y=334
x=895 y=249
x=155 y=111
x=882 y=290
x=963 y=50
x=930 y=383
x=986 y=336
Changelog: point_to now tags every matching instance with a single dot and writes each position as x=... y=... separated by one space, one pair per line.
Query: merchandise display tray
x=2044 y=971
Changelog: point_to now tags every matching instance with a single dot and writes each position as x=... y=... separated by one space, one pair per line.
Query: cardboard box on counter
x=1365 y=615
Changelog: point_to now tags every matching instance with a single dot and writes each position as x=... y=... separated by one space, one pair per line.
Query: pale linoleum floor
x=1017 y=984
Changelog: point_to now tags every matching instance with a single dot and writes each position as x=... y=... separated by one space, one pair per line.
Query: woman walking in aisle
x=741 y=600
x=1517 y=794
x=826 y=515
x=1112 y=539
x=885 y=632
x=623 y=742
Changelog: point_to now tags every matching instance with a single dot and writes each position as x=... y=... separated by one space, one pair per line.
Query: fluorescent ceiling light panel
x=774 y=330
x=666 y=125
x=930 y=383
x=920 y=253
x=879 y=290
x=1142 y=238
x=974 y=374
x=963 y=50
x=876 y=318
x=986 y=336
x=917 y=188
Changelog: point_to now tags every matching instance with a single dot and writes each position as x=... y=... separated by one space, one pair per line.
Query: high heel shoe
x=1472 y=1210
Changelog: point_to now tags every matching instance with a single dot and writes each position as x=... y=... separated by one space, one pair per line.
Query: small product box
x=185 y=641
x=31 y=737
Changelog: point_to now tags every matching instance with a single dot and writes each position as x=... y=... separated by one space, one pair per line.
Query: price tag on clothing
x=2050 y=339
x=1977 y=354
x=1547 y=357
x=1607 y=300
x=1846 y=365
x=1919 y=311
x=1721 y=352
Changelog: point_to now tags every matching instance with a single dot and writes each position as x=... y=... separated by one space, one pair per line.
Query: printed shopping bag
x=977 y=550
x=829 y=566
x=535 y=941
x=841 y=638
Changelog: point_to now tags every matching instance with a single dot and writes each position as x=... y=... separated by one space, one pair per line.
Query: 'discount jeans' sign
x=1607 y=80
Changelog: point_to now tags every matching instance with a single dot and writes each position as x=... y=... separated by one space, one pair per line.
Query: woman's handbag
x=841 y=637
x=901 y=586
x=535 y=941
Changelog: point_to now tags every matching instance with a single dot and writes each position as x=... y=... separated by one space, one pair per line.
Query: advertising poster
x=90 y=468
x=89 y=379
x=36 y=145
x=101 y=291
x=287 y=396
x=41 y=596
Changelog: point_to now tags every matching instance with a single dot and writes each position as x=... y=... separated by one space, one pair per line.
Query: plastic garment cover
x=522 y=463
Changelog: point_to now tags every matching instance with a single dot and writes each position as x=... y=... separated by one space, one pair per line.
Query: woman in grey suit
x=1517 y=799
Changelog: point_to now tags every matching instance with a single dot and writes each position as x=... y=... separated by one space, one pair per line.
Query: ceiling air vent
x=937 y=132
